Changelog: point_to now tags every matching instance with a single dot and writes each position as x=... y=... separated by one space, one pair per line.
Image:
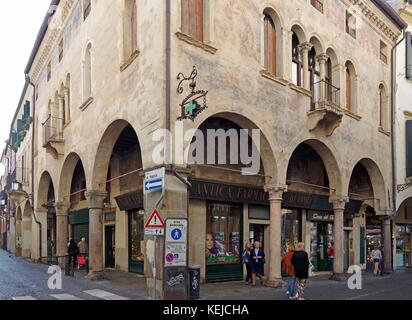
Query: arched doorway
x=117 y=170
x=72 y=195
x=27 y=230
x=403 y=221
x=19 y=232
x=308 y=215
x=228 y=204
x=366 y=228
x=45 y=206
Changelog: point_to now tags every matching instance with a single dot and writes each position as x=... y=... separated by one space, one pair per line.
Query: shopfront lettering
x=203 y=190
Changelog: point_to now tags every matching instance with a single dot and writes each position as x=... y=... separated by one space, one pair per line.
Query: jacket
x=300 y=261
x=287 y=262
x=83 y=247
x=257 y=261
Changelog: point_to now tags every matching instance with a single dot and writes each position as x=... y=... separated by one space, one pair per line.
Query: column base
x=95 y=276
x=274 y=283
x=338 y=277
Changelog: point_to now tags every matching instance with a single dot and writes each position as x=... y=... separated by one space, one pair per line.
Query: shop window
x=136 y=237
x=192 y=18
x=223 y=234
x=291 y=228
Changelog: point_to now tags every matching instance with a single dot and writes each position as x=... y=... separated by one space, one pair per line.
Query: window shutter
x=409 y=148
x=408 y=55
x=27 y=109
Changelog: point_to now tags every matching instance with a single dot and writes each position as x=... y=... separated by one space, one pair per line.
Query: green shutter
x=362 y=245
x=409 y=148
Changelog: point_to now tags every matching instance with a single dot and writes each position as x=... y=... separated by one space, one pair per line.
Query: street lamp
x=16 y=186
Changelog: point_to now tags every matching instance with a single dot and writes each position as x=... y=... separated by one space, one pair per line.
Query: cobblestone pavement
x=23 y=280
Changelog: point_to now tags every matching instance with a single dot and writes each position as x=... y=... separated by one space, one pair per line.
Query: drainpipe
x=393 y=129
x=168 y=74
x=28 y=80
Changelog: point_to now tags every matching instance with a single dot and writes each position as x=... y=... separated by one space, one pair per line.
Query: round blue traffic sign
x=176 y=234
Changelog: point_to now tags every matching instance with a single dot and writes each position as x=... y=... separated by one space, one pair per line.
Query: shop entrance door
x=110 y=247
x=321 y=237
x=257 y=233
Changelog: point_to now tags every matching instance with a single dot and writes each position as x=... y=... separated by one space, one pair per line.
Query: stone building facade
x=307 y=74
x=403 y=219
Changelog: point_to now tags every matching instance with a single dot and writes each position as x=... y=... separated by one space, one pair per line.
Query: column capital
x=323 y=57
x=339 y=202
x=95 y=198
x=62 y=208
x=276 y=191
x=306 y=46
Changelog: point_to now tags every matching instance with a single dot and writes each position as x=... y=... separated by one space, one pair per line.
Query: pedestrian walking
x=247 y=261
x=73 y=251
x=258 y=260
x=300 y=261
x=290 y=270
x=83 y=247
x=376 y=257
x=331 y=256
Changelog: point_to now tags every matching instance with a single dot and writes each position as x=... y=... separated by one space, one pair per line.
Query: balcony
x=53 y=136
x=325 y=114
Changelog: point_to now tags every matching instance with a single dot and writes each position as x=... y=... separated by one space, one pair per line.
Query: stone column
x=387 y=246
x=275 y=199
x=66 y=105
x=41 y=239
x=61 y=116
x=96 y=202
x=304 y=48
x=62 y=224
x=338 y=239
x=322 y=58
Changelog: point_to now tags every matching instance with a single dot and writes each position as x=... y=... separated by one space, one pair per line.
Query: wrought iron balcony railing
x=325 y=94
x=52 y=130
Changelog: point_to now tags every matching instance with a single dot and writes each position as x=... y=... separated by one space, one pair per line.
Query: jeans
x=292 y=286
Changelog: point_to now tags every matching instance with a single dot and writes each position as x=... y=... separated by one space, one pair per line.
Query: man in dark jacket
x=257 y=256
x=300 y=261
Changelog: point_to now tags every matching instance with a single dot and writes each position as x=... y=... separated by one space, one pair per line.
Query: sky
x=20 y=22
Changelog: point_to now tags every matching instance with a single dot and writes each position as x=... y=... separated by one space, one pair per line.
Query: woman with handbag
x=247 y=261
x=300 y=262
x=376 y=257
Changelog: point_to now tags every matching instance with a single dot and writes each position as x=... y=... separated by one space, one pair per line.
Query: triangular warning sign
x=155 y=220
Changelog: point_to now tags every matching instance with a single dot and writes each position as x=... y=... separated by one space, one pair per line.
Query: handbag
x=81 y=261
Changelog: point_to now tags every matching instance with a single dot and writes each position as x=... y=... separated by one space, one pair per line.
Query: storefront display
x=223 y=242
x=321 y=230
x=223 y=235
x=136 y=240
x=403 y=246
x=291 y=228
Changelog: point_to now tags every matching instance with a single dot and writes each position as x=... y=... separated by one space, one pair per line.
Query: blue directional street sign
x=154 y=180
x=153 y=185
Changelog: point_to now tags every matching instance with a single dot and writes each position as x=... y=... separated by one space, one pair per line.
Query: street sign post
x=154 y=227
x=175 y=258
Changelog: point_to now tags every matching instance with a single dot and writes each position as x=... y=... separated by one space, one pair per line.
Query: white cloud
x=20 y=22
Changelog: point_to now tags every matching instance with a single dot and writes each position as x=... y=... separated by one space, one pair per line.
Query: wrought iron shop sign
x=195 y=102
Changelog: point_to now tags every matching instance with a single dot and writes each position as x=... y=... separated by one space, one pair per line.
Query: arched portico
x=27 y=229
